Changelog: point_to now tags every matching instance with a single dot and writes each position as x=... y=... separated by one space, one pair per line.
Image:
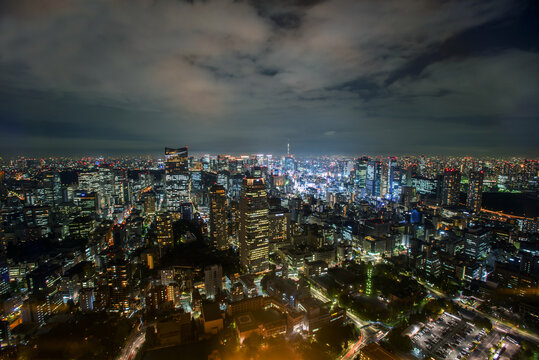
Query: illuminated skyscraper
x=117 y=279
x=164 y=229
x=451 y=187
x=178 y=182
x=374 y=178
x=393 y=178
x=52 y=189
x=279 y=228
x=384 y=180
x=475 y=191
x=361 y=172
x=218 y=218
x=149 y=202
x=254 y=226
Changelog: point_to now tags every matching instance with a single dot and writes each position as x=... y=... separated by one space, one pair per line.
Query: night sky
x=100 y=77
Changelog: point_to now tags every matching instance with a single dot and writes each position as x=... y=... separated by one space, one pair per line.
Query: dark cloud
x=519 y=31
x=340 y=76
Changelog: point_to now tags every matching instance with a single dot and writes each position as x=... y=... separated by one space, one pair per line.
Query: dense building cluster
x=195 y=247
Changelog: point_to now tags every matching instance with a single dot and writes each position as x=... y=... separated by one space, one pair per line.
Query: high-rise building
x=254 y=225
x=149 y=203
x=213 y=280
x=361 y=172
x=52 y=189
x=164 y=229
x=373 y=179
x=279 y=228
x=450 y=187
x=178 y=182
x=218 y=217
x=475 y=191
x=187 y=210
x=433 y=265
x=118 y=286
x=222 y=162
x=157 y=298
x=86 y=299
x=393 y=178
x=477 y=243
x=384 y=179
x=89 y=181
x=222 y=178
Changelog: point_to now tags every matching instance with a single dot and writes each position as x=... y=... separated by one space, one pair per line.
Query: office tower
x=477 y=242
x=222 y=162
x=149 y=202
x=218 y=217
x=178 y=183
x=196 y=181
x=88 y=202
x=206 y=162
x=81 y=227
x=475 y=191
x=433 y=265
x=254 y=225
x=234 y=224
x=186 y=211
x=89 y=181
x=279 y=228
x=213 y=280
x=393 y=178
x=384 y=180
x=157 y=298
x=118 y=286
x=165 y=236
x=361 y=172
x=222 y=178
x=123 y=188
x=106 y=177
x=374 y=178
x=234 y=189
x=52 y=189
x=450 y=187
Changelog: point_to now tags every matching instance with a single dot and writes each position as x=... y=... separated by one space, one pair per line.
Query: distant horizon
x=156 y=156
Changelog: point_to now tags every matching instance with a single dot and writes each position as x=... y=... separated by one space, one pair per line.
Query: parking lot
x=447 y=337
x=505 y=347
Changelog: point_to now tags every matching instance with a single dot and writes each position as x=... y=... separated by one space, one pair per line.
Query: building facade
x=254 y=225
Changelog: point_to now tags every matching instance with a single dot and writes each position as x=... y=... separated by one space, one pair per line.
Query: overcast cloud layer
x=334 y=77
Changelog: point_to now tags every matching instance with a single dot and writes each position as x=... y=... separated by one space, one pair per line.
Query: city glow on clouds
x=333 y=76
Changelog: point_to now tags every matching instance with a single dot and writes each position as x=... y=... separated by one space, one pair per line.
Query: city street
x=133 y=344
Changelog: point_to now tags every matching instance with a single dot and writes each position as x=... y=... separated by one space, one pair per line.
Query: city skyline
x=447 y=78
x=269 y=179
